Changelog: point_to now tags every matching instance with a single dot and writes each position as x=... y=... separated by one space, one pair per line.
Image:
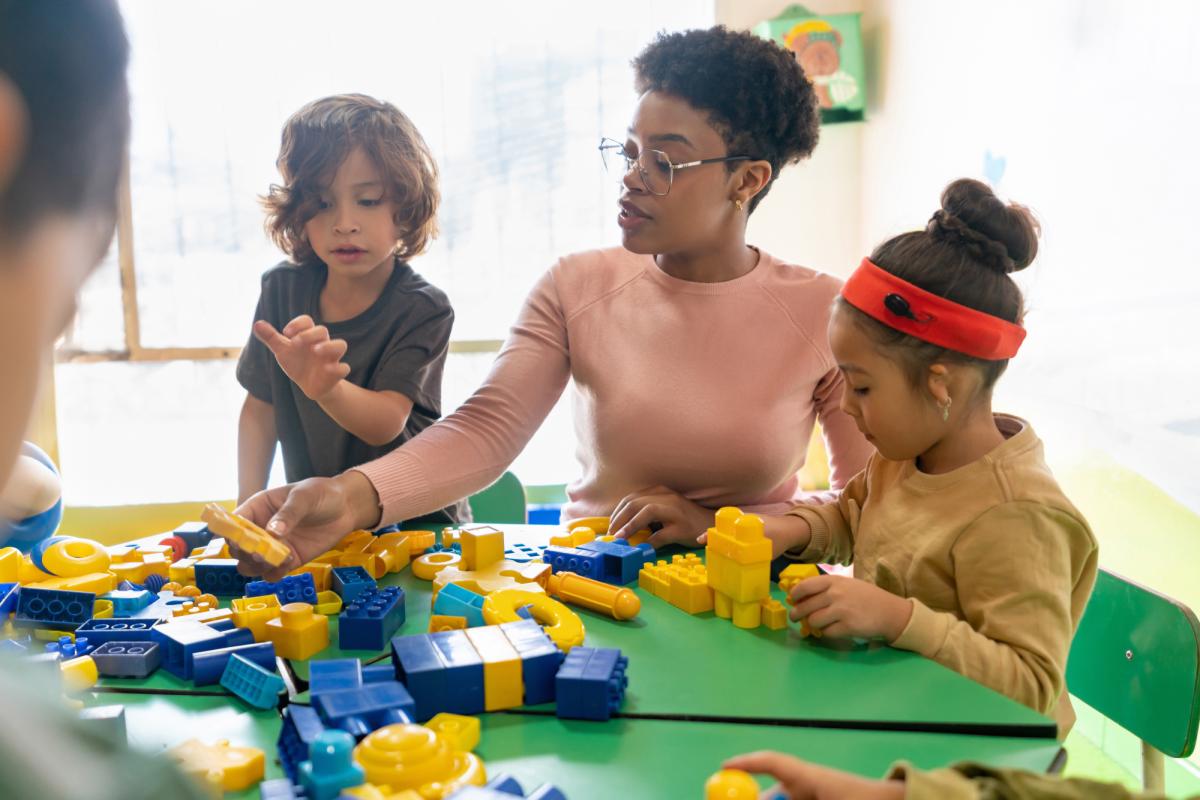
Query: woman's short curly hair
x=317 y=139
x=755 y=93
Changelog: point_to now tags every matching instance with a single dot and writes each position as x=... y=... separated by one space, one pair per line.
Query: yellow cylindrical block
x=79 y=674
x=616 y=601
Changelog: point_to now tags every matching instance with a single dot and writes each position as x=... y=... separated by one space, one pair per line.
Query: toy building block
x=426 y=567
x=301 y=726
x=257 y=686
x=330 y=767
x=521 y=553
x=321 y=574
x=372 y=563
x=219 y=576
x=394 y=548
x=731 y=784
x=446 y=622
x=530 y=577
x=126 y=603
x=127 y=659
x=411 y=758
x=615 y=601
x=773 y=614
x=69 y=557
x=348 y=582
x=335 y=675
x=587 y=563
x=289 y=589
x=561 y=623
x=738 y=557
x=67 y=647
x=245 y=534
x=208 y=666
x=458 y=601
x=574 y=537
x=193 y=534
x=788 y=578
x=53 y=609
x=591 y=683
x=179 y=640
x=100 y=631
x=621 y=561
x=360 y=711
x=503 y=686
x=220 y=764
x=8 y=598
x=481 y=548
x=460 y=730
x=505 y=787
x=182 y=571
x=328 y=603
x=254 y=613
x=297 y=632
x=278 y=789
x=10 y=564
x=108 y=721
x=442 y=671
x=371 y=619
x=540 y=658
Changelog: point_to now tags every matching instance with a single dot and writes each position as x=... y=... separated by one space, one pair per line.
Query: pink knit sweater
x=710 y=389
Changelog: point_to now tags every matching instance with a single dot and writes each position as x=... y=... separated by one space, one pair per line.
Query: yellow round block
x=414 y=757
x=562 y=624
x=71 y=558
x=598 y=524
x=730 y=784
x=431 y=564
x=328 y=603
x=78 y=674
x=187 y=591
x=420 y=541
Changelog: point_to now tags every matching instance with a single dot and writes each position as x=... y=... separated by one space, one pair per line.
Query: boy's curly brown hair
x=317 y=139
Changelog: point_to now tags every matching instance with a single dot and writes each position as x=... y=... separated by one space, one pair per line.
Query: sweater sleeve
x=469 y=449
x=833 y=525
x=969 y=781
x=1016 y=569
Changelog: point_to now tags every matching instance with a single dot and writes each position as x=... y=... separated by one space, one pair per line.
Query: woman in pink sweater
x=700 y=362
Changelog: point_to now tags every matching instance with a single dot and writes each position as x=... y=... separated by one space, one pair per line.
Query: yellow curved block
x=462 y=732
x=27 y=572
x=10 y=564
x=430 y=564
x=730 y=784
x=232 y=768
x=71 y=558
x=562 y=624
x=254 y=613
x=446 y=622
x=416 y=758
x=102 y=609
x=132 y=571
x=328 y=603
x=420 y=541
x=78 y=674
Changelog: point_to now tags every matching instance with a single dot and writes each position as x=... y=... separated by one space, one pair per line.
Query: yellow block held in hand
x=245 y=534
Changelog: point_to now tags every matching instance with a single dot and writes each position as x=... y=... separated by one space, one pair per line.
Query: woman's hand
x=669 y=515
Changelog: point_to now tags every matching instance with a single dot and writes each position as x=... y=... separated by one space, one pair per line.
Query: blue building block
x=126 y=603
x=180 y=640
x=219 y=576
x=540 y=659
x=591 y=683
x=67 y=647
x=277 y=789
x=194 y=534
x=154 y=583
x=377 y=673
x=55 y=609
x=458 y=601
x=257 y=686
x=8 y=598
x=301 y=726
x=621 y=562
x=99 y=631
x=330 y=767
x=522 y=553
x=337 y=674
x=442 y=671
x=208 y=665
x=370 y=620
x=587 y=563
x=505 y=787
x=163 y=608
x=290 y=589
x=348 y=582
x=127 y=659
x=360 y=711
x=107 y=721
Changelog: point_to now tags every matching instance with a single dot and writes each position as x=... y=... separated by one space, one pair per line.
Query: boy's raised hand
x=306 y=354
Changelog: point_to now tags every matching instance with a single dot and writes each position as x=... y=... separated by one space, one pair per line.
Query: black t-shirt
x=398 y=344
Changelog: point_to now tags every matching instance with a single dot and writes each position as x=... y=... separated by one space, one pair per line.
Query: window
x=512 y=105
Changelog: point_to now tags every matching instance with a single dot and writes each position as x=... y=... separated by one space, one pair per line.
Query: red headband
x=909 y=309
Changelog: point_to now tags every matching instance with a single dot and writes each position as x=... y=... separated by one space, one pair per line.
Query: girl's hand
x=799 y=780
x=671 y=516
x=306 y=354
x=837 y=605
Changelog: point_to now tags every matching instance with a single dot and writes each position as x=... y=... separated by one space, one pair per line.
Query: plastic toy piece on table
x=503 y=685
x=335 y=675
x=246 y=535
x=321 y=574
x=257 y=686
x=621 y=561
x=412 y=757
x=254 y=613
x=127 y=602
x=297 y=632
x=348 y=582
x=8 y=598
x=278 y=789
x=100 y=631
x=481 y=548
x=788 y=578
x=505 y=787
x=53 y=609
x=301 y=726
x=360 y=711
x=600 y=526
x=442 y=671
x=67 y=647
x=446 y=622
x=561 y=623
x=419 y=541
x=220 y=764
x=461 y=731
x=127 y=659
x=591 y=683
x=290 y=589
x=108 y=721
x=371 y=562
x=530 y=577
x=683 y=583
x=458 y=601
x=574 y=537
x=395 y=548
x=731 y=784
x=219 y=576
x=182 y=571
x=208 y=666
x=426 y=567
x=78 y=674
x=330 y=767
x=69 y=557
x=371 y=619
x=615 y=601
x=179 y=640
x=540 y=659
x=738 y=557
x=328 y=603
x=193 y=534
x=10 y=564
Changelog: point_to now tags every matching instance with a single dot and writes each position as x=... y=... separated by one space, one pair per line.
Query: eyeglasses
x=654 y=166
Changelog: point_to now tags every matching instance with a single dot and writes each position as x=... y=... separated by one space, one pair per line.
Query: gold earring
x=737 y=204
x=946 y=409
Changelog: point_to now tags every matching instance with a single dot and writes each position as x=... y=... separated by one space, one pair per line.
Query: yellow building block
x=97 y=583
x=71 y=558
x=504 y=574
x=774 y=614
x=322 y=574
x=156 y=564
x=356 y=542
x=794 y=574
x=371 y=562
x=232 y=768
x=420 y=541
x=254 y=613
x=689 y=590
x=394 y=549
x=598 y=525
x=561 y=624
x=10 y=564
x=446 y=622
x=329 y=603
x=481 y=549
x=298 y=632
x=731 y=784
x=503 y=686
x=460 y=731
x=102 y=609
x=27 y=572
x=738 y=557
x=413 y=758
x=427 y=566
x=78 y=674
x=132 y=571
x=182 y=571
x=245 y=534
x=615 y=601
x=574 y=537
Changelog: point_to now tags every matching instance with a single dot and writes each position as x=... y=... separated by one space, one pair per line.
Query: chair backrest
x=503 y=501
x=1136 y=660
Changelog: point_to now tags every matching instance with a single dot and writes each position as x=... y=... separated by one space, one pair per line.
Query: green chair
x=503 y=501
x=1136 y=660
